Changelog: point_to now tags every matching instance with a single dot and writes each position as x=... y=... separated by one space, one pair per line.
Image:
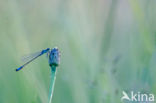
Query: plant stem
x=52 y=82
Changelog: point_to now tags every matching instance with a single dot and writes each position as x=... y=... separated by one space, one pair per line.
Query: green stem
x=52 y=83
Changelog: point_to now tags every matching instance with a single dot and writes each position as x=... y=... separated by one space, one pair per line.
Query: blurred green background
x=107 y=46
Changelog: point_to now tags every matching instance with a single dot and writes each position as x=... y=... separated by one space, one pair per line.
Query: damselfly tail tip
x=19 y=68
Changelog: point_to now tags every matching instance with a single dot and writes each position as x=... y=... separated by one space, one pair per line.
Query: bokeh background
x=107 y=46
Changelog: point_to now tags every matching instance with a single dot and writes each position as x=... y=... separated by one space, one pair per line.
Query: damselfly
x=53 y=56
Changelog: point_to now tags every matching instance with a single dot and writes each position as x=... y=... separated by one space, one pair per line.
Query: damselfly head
x=54 y=57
